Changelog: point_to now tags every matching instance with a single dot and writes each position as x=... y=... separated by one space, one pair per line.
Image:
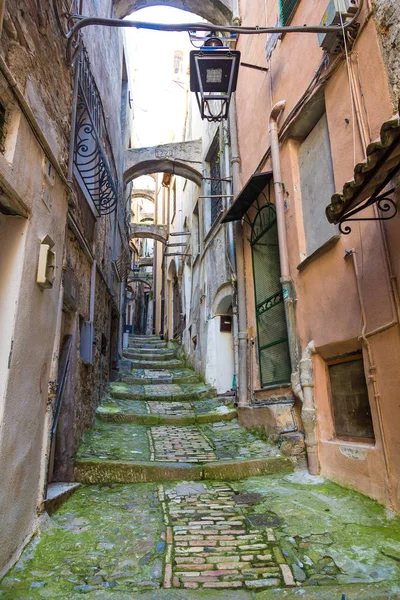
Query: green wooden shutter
x=286 y=9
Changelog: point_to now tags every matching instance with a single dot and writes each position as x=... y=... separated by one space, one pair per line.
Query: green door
x=273 y=348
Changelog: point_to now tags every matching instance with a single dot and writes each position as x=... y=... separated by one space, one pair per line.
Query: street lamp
x=214 y=71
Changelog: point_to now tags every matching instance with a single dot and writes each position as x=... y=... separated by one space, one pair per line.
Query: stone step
x=145 y=339
x=165 y=413
x=57 y=494
x=95 y=471
x=147 y=345
x=129 y=453
x=153 y=356
x=150 y=350
x=157 y=365
x=163 y=391
x=145 y=376
x=161 y=377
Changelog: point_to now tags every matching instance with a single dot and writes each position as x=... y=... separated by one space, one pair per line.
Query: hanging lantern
x=214 y=71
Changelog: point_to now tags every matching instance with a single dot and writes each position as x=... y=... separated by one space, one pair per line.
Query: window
x=317 y=185
x=349 y=395
x=286 y=10
x=215 y=181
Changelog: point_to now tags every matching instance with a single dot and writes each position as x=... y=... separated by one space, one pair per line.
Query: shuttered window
x=286 y=10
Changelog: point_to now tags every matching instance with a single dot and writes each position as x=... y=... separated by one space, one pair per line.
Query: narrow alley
x=178 y=497
x=200 y=299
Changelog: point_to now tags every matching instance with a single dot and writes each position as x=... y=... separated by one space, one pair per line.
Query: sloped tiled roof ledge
x=383 y=155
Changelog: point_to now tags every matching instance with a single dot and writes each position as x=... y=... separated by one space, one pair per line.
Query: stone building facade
x=64 y=246
x=319 y=342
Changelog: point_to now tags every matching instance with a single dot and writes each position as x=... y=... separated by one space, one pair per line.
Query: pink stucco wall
x=328 y=305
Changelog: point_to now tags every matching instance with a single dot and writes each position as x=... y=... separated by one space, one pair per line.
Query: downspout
x=308 y=410
x=236 y=20
x=230 y=243
x=286 y=280
x=242 y=395
x=372 y=377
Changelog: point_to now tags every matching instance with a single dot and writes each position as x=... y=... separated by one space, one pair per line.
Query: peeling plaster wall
x=34 y=51
x=387 y=17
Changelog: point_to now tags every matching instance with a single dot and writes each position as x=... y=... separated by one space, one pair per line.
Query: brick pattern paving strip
x=181 y=444
x=215 y=548
x=171 y=409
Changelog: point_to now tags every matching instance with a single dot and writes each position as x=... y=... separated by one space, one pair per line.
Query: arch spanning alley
x=215 y=11
x=180 y=158
x=147 y=194
x=153 y=232
x=139 y=280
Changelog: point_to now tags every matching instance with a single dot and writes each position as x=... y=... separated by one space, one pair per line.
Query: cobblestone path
x=179 y=502
x=215 y=546
x=171 y=446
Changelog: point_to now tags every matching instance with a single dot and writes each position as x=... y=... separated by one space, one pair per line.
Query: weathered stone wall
x=35 y=53
x=387 y=16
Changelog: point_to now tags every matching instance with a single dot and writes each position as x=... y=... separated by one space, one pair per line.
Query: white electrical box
x=46 y=272
x=336 y=12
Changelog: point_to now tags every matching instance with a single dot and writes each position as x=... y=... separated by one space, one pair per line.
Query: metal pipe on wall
x=372 y=377
x=286 y=280
x=242 y=394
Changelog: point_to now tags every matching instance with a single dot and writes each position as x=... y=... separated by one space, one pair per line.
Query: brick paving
x=202 y=539
x=216 y=547
x=171 y=409
x=181 y=444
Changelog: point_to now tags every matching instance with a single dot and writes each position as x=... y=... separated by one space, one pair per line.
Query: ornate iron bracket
x=386 y=206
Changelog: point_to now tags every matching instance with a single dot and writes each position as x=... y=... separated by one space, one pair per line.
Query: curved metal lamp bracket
x=386 y=206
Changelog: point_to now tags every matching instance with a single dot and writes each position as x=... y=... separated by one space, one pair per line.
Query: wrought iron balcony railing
x=90 y=165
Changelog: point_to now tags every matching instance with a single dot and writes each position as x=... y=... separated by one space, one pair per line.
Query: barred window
x=286 y=10
x=349 y=397
x=216 y=183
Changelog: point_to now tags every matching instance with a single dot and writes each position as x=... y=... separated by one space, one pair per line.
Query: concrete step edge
x=95 y=471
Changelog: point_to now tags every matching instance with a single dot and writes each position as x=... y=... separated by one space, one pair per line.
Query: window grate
x=286 y=10
x=216 y=183
x=91 y=166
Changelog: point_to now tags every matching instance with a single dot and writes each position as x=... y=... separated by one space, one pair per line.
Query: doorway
x=272 y=336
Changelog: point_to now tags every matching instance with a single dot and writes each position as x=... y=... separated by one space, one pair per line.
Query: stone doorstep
x=97 y=471
x=57 y=494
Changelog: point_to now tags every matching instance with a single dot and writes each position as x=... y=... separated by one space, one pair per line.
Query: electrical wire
x=353 y=119
x=202 y=26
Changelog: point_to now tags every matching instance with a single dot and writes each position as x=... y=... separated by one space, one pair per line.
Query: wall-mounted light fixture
x=46 y=272
x=214 y=71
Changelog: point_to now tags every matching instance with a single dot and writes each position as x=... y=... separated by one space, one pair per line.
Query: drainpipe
x=236 y=20
x=372 y=377
x=230 y=243
x=242 y=394
x=286 y=280
x=308 y=410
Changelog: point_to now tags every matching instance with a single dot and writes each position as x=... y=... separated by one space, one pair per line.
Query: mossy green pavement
x=115 y=542
x=129 y=442
x=228 y=520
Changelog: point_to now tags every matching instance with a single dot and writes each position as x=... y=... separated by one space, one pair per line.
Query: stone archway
x=146 y=194
x=153 y=232
x=214 y=11
x=181 y=158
